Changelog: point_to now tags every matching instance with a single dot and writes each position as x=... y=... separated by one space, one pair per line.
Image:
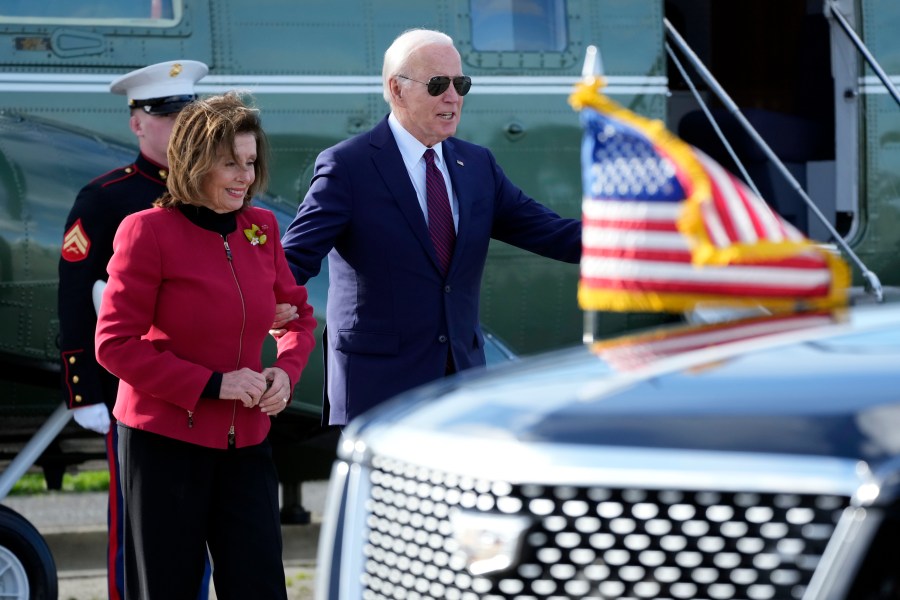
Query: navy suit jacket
x=392 y=316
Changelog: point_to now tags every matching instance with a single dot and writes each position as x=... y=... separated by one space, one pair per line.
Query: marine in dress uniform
x=87 y=247
x=159 y=90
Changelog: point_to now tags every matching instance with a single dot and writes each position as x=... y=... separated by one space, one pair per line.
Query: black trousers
x=180 y=499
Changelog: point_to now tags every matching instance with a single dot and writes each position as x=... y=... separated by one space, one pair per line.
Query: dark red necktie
x=440 y=218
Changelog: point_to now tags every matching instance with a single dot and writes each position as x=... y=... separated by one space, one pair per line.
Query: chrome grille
x=592 y=542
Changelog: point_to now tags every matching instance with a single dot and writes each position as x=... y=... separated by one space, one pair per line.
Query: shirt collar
x=411 y=149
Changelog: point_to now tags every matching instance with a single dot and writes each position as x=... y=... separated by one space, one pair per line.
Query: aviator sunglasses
x=438 y=85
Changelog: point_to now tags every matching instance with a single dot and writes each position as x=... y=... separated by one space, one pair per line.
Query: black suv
x=753 y=459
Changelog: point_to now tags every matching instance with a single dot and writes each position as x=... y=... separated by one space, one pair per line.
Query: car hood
x=830 y=387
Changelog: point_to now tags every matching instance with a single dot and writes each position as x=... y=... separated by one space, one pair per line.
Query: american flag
x=667 y=229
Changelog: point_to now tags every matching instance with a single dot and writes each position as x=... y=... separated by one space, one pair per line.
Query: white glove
x=93 y=416
x=97 y=294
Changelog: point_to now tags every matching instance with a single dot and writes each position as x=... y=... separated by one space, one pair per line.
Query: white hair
x=398 y=53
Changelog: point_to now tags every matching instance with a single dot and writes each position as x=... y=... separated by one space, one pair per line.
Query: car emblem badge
x=490 y=542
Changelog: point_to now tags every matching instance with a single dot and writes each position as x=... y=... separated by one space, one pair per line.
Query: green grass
x=85 y=481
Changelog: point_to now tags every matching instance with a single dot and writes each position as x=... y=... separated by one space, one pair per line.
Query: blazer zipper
x=232 y=442
x=190 y=413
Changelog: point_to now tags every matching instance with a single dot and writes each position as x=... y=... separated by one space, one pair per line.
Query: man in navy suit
x=402 y=308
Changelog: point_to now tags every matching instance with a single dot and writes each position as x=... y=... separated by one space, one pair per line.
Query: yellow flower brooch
x=256 y=235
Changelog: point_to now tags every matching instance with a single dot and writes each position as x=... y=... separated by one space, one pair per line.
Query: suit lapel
x=390 y=166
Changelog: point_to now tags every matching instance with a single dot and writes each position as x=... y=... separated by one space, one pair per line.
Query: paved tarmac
x=74 y=526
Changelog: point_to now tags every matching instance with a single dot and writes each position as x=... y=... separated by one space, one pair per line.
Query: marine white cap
x=162 y=88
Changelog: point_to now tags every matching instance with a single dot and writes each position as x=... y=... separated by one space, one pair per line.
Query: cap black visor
x=163 y=106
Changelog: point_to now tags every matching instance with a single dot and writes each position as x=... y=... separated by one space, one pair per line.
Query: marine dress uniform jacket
x=87 y=247
x=392 y=315
x=183 y=302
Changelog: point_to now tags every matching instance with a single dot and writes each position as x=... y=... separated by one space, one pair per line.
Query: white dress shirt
x=412 y=151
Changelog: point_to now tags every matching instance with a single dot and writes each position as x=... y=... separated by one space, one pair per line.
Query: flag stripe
x=637 y=254
x=709 y=288
x=667 y=271
x=593 y=237
x=730 y=208
x=713 y=226
x=635 y=225
x=802 y=261
x=598 y=208
x=768 y=224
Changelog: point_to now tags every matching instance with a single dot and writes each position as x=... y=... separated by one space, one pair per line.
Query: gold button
x=128 y=169
x=74 y=378
x=163 y=174
x=78 y=398
x=71 y=360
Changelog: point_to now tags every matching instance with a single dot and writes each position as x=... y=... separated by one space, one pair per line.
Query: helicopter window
x=158 y=12
x=518 y=25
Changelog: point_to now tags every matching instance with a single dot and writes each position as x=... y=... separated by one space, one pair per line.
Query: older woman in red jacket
x=191 y=296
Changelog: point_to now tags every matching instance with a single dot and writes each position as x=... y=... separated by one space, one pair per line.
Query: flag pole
x=593 y=64
x=592 y=68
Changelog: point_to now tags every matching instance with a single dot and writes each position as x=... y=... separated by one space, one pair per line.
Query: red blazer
x=177 y=308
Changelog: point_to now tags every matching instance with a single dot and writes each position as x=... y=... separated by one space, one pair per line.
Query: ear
x=396 y=92
x=136 y=125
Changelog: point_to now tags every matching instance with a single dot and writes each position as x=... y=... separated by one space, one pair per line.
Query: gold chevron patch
x=76 y=243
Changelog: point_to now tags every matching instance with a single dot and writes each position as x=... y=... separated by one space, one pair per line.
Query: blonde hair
x=403 y=47
x=201 y=129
